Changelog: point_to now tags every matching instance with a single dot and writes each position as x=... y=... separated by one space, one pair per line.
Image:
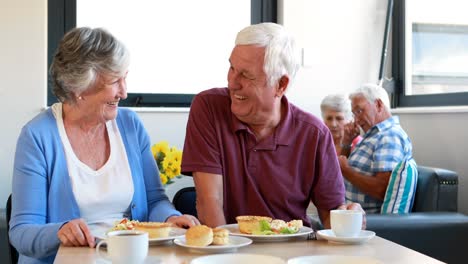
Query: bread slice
x=220 y=236
x=154 y=229
x=249 y=224
x=200 y=236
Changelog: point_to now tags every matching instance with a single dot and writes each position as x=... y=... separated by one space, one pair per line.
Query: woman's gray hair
x=337 y=102
x=372 y=92
x=281 y=57
x=82 y=55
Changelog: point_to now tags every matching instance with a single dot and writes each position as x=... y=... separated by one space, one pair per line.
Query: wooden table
x=379 y=248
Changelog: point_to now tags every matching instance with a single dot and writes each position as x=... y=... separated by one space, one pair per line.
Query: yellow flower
x=160 y=147
x=169 y=160
x=163 y=178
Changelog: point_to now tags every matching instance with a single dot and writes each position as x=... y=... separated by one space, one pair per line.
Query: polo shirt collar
x=282 y=135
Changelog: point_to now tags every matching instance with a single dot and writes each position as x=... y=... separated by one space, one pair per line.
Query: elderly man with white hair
x=368 y=168
x=252 y=152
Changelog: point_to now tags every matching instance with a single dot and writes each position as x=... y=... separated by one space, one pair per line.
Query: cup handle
x=98 y=246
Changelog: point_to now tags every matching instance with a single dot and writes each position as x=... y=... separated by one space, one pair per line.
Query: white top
x=102 y=195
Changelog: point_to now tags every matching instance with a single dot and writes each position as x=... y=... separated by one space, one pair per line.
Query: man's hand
x=76 y=233
x=356 y=207
x=184 y=221
x=351 y=131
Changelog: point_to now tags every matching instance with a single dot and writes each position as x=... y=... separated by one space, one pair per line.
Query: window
x=430 y=52
x=180 y=48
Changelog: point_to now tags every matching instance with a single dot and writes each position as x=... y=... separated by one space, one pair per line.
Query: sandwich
x=250 y=224
x=154 y=229
x=263 y=225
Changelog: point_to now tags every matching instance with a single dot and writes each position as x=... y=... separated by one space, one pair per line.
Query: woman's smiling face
x=101 y=101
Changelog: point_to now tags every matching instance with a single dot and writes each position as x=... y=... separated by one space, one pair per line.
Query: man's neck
x=264 y=129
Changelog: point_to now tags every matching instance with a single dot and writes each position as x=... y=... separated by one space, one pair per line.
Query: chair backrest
x=185 y=201
x=437 y=190
x=12 y=250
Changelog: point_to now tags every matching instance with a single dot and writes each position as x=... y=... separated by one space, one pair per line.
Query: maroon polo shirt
x=277 y=176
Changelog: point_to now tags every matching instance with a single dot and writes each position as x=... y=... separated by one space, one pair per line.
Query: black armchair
x=434 y=227
x=185 y=201
x=9 y=253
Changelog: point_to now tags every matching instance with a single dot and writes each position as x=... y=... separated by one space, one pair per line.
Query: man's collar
x=387 y=123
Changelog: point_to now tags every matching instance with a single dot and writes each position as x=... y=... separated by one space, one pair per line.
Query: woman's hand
x=184 y=221
x=76 y=233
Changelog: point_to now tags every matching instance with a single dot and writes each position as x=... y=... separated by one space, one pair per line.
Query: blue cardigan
x=43 y=199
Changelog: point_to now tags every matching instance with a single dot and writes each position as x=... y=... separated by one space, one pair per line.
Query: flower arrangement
x=169 y=160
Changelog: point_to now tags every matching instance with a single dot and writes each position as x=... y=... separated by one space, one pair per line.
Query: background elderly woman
x=84 y=163
x=336 y=113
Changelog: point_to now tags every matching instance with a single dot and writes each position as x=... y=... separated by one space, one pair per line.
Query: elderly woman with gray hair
x=336 y=113
x=84 y=163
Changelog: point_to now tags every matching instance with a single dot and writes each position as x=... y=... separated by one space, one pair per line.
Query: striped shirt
x=381 y=148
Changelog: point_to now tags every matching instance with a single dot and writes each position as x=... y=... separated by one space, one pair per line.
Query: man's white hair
x=372 y=92
x=281 y=54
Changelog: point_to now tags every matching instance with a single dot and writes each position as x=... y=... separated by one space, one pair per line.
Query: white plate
x=237 y=259
x=233 y=245
x=328 y=234
x=334 y=260
x=234 y=230
x=173 y=234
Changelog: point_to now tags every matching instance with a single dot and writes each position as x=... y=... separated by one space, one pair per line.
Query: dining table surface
x=376 y=248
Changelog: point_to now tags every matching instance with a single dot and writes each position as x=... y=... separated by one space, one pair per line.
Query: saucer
x=364 y=236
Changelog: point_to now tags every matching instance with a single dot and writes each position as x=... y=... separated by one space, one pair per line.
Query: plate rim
x=268 y=237
x=180 y=241
x=325 y=233
x=240 y=254
x=306 y=257
x=101 y=234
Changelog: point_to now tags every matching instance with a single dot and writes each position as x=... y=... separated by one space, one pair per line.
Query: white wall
x=440 y=140
x=23 y=65
x=341 y=48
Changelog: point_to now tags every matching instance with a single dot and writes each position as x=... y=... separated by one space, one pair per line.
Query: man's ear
x=282 y=85
x=380 y=105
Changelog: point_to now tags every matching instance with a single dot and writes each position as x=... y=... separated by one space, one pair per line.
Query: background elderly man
x=250 y=151
x=384 y=144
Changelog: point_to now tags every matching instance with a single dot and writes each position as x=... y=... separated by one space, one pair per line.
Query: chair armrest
x=442 y=235
x=437 y=190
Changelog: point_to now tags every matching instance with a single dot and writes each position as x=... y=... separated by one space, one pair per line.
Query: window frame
x=62 y=18
x=398 y=70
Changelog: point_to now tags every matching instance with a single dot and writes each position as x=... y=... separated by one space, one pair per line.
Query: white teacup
x=346 y=223
x=125 y=246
